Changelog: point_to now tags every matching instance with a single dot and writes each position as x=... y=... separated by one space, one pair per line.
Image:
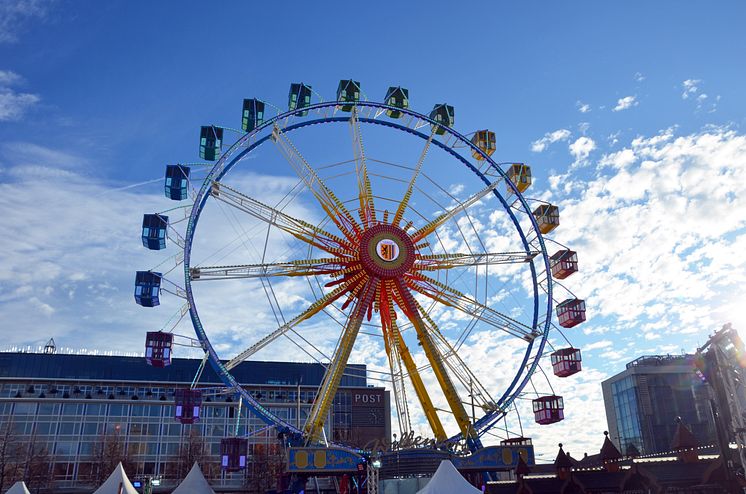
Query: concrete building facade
x=69 y=405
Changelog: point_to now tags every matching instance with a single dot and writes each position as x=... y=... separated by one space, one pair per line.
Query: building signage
x=331 y=460
x=322 y=460
x=495 y=458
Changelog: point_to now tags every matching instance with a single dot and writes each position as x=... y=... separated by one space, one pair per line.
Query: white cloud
x=625 y=103
x=583 y=107
x=9 y=78
x=653 y=233
x=692 y=90
x=690 y=86
x=597 y=345
x=13 y=104
x=581 y=148
x=549 y=138
x=14 y=14
x=639 y=77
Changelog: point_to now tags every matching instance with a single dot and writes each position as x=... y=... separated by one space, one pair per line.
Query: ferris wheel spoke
x=367 y=207
x=310 y=267
x=299 y=229
x=408 y=305
x=314 y=309
x=453 y=298
x=317 y=416
x=419 y=386
x=399 y=348
x=408 y=194
x=458 y=366
x=436 y=262
x=332 y=206
x=397 y=381
x=452 y=213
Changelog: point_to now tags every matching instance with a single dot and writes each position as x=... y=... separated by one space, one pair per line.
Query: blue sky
x=631 y=115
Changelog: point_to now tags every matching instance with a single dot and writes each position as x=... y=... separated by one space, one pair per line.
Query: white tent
x=117 y=483
x=194 y=483
x=447 y=480
x=18 y=488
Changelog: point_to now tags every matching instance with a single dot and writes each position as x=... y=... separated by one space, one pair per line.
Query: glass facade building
x=74 y=406
x=643 y=401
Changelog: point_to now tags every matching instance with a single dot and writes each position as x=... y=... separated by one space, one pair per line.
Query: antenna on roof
x=50 y=347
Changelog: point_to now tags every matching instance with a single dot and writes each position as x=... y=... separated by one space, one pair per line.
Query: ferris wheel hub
x=386 y=251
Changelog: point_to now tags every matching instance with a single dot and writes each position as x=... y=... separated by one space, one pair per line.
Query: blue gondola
x=444 y=115
x=398 y=97
x=299 y=97
x=210 y=142
x=177 y=182
x=253 y=114
x=154 y=229
x=349 y=92
x=147 y=288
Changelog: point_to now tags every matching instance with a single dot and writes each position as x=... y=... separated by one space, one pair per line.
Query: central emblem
x=387 y=250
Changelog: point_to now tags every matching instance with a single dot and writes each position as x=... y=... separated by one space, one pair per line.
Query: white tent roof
x=447 y=480
x=194 y=483
x=18 y=488
x=117 y=483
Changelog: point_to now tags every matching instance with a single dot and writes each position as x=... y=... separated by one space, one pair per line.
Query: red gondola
x=564 y=263
x=571 y=312
x=548 y=409
x=158 y=347
x=187 y=405
x=566 y=362
x=233 y=451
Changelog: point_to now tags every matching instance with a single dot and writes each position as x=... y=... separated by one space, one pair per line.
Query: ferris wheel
x=357 y=230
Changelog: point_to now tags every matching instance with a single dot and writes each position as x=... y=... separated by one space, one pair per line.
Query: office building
x=643 y=401
x=71 y=405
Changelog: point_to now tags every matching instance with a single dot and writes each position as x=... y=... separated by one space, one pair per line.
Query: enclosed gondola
x=210 y=142
x=566 y=362
x=547 y=216
x=154 y=231
x=348 y=91
x=485 y=141
x=158 y=348
x=397 y=97
x=177 y=182
x=252 y=115
x=443 y=114
x=520 y=175
x=233 y=451
x=548 y=409
x=571 y=312
x=147 y=288
x=299 y=97
x=187 y=405
x=563 y=263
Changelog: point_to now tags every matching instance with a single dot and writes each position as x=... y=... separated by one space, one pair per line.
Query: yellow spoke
x=333 y=376
x=300 y=229
x=367 y=207
x=459 y=208
x=314 y=309
x=408 y=194
x=329 y=202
